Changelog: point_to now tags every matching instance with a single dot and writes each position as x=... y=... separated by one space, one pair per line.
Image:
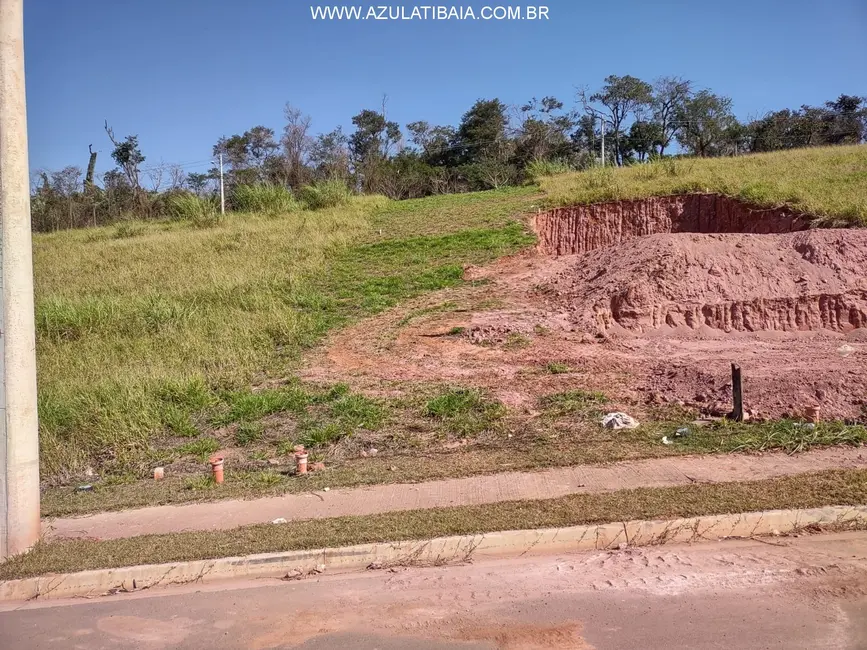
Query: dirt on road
x=808 y=592
x=649 y=302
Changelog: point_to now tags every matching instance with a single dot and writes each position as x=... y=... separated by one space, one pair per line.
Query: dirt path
x=682 y=470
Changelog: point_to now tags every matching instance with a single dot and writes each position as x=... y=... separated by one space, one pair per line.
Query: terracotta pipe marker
x=217 y=468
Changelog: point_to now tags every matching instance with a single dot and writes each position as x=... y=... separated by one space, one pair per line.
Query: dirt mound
x=577 y=229
x=735 y=282
x=686 y=284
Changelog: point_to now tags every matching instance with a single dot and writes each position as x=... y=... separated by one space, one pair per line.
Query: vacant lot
x=160 y=344
x=149 y=335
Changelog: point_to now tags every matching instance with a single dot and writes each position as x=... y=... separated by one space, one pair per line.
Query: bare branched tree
x=177 y=177
x=156 y=174
x=669 y=96
x=297 y=145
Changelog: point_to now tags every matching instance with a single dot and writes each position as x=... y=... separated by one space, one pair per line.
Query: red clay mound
x=691 y=282
x=731 y=282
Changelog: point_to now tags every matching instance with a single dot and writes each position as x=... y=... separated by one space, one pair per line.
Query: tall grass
x=136 y=335
x=263 y=198
x=201 y=211
x=538 y=169
x=830 y=182
x=326 y=194
x=150 y=341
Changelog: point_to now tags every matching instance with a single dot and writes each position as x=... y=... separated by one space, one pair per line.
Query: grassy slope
x=148 y=334
x=839 y=487
x=829 y=182
x=142 y=328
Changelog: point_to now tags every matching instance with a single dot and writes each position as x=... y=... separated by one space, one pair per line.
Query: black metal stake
x=737 y=395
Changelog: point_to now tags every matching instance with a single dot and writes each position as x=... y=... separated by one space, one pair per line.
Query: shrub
x=358 y=411
x=202 y=212
x=269 y=199
x=326 y=194
x=200 y=448
x=125 y=230
x=319 y=435
x=540 y=168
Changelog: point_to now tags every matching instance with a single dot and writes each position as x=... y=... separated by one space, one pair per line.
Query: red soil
x=799 y=281
x=648 y=301
x=565 y=231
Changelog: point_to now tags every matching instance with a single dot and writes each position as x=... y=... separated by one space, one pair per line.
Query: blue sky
x=181 y=73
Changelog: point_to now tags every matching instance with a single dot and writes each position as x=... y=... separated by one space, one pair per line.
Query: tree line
x=493 y=145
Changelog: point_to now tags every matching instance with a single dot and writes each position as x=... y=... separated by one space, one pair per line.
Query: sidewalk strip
x=476 y=490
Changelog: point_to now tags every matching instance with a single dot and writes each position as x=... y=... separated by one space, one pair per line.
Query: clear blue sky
x=181 y=73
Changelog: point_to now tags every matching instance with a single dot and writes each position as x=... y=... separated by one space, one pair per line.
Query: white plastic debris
x=618 y=420
x=279 y=520
x=666 y=441
x=845 y=350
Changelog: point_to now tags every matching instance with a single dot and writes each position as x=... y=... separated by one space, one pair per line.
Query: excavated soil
x=639 y=266
x=796 y=282
x=648 y=301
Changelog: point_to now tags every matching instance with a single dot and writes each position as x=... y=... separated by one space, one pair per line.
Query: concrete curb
x=443 y=550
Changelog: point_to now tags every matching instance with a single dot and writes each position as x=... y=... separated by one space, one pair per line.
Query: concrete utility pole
x=222 y=193
x=602 y=122
x=19 y=432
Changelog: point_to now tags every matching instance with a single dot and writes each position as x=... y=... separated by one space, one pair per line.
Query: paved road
x=807 y=592
x=659 y=472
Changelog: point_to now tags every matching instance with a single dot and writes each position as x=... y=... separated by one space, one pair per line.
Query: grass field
x=829 y=182
x=148 y=332
x=161 y=343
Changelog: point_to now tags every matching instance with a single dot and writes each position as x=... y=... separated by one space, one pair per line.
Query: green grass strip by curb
x=834 y=487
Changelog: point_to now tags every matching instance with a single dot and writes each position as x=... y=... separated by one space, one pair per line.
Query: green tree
x=644 y=139
x=329 y=155
x=434 y=143
x=374 y=137
x=587 y=140
x=544 y=131
x=250 y=156
x=198 y=182
x=848 y=121
x=481 y=135
x=619 y=100
x=669 y=96
x=127 y=155
x=706 y=120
